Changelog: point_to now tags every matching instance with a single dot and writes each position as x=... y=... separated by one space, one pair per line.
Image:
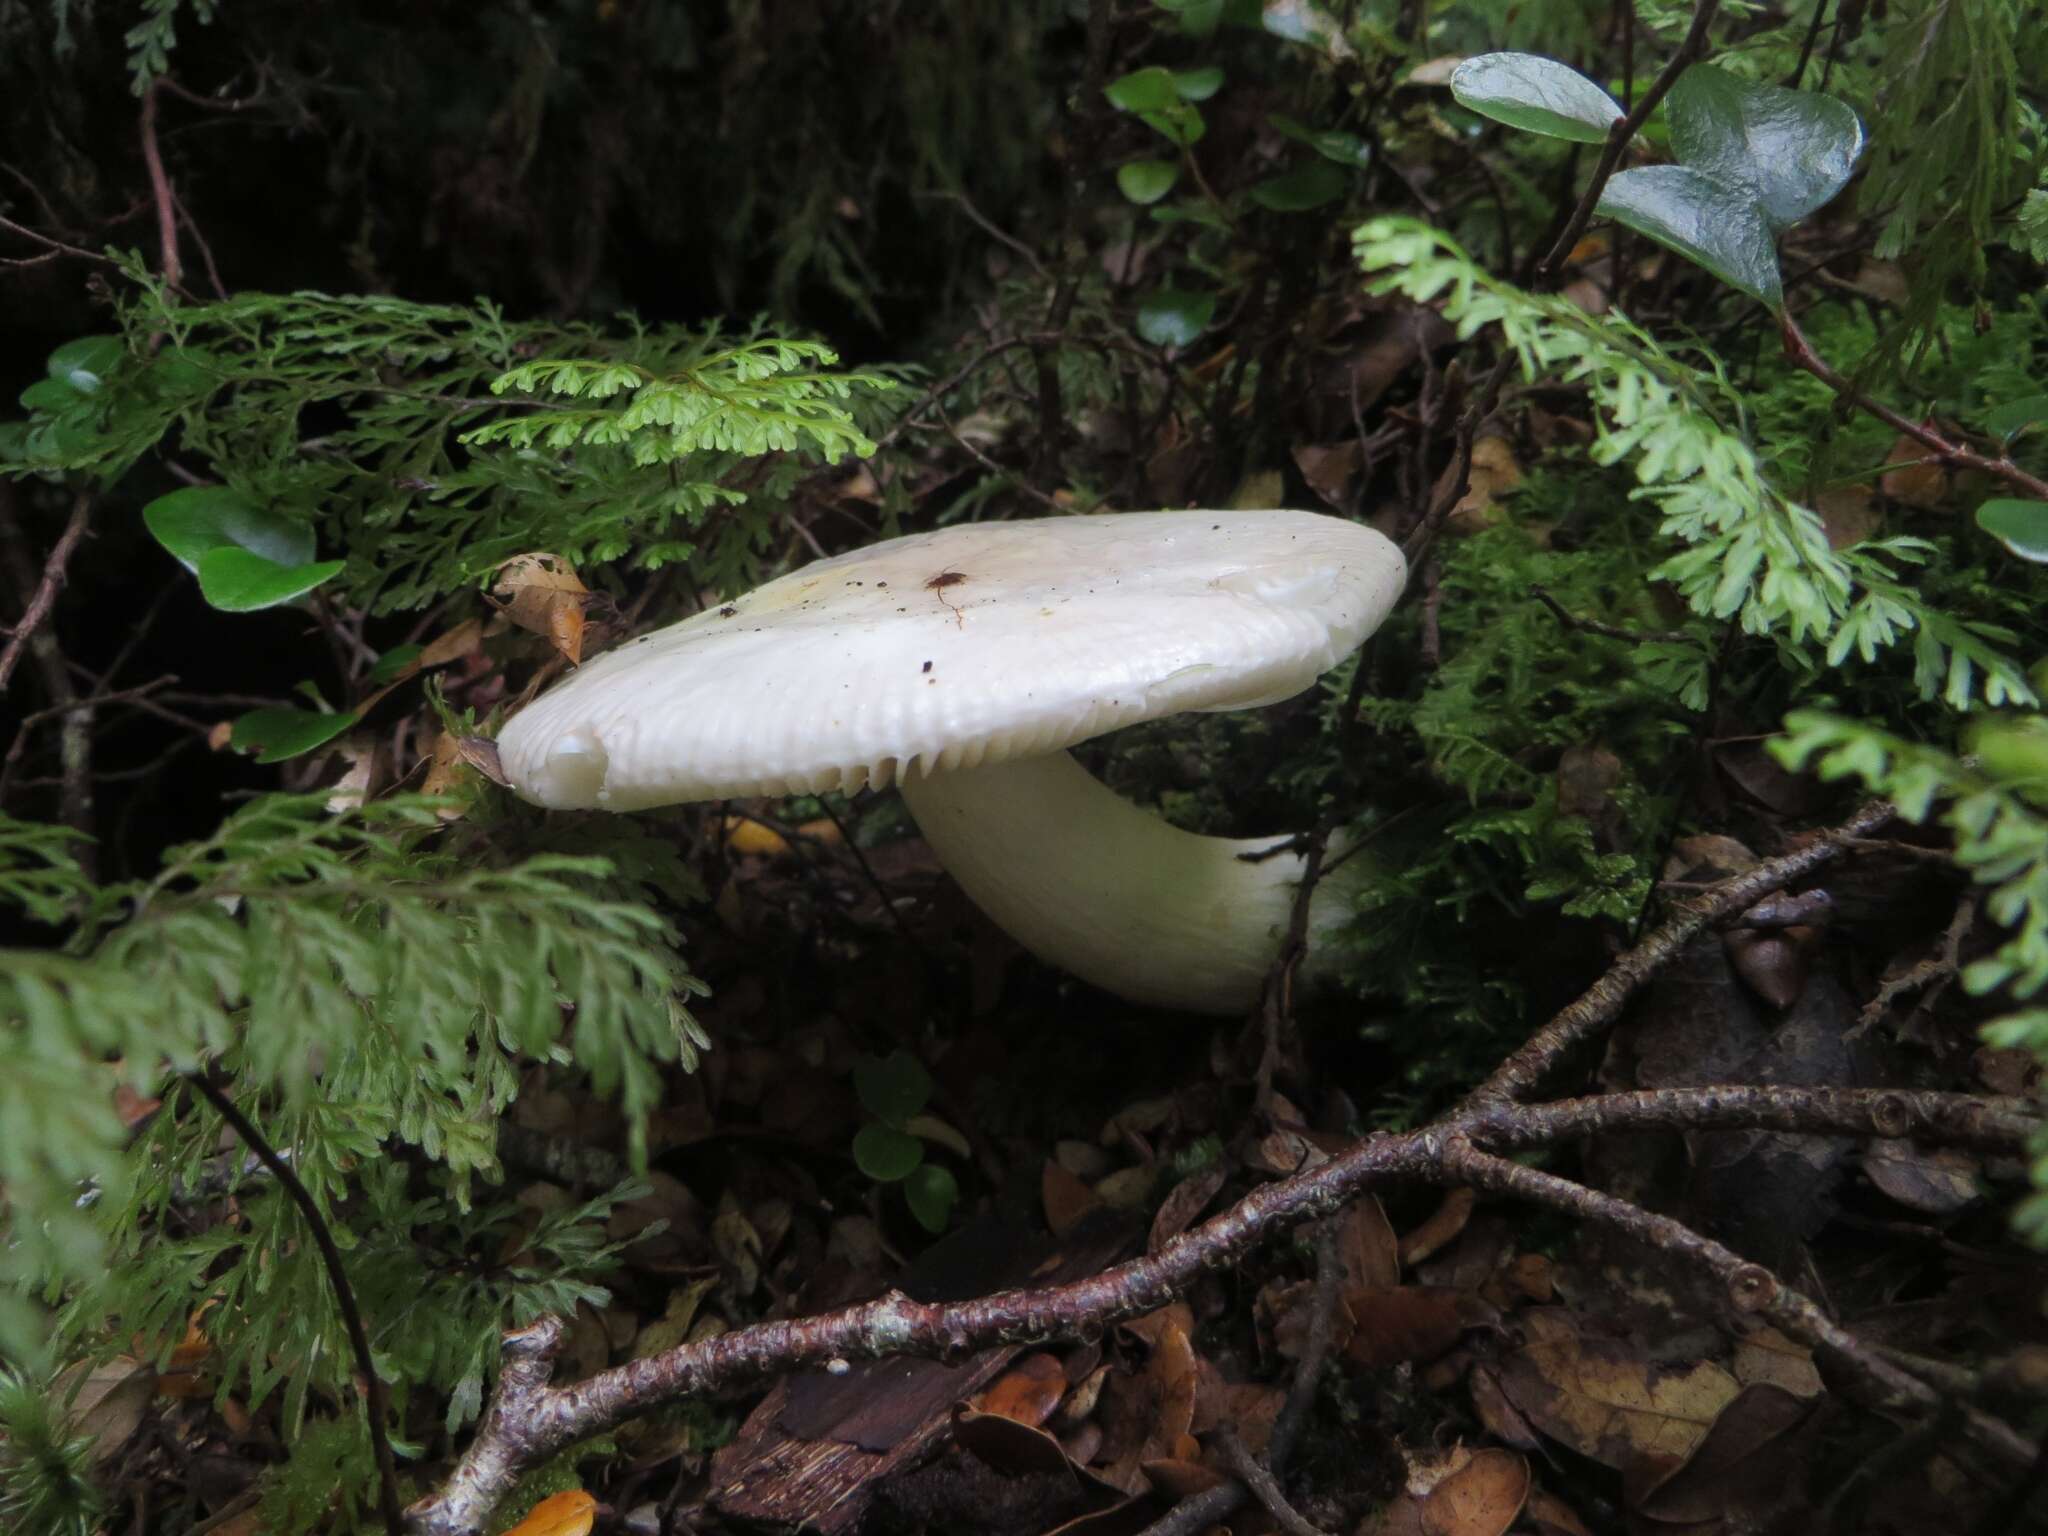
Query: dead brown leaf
x=1913 y=480
x=1481 y=1498
x=105 y=1400
x=1066 y=1198
x=1767 y=1357
x=1444 y=1223
x=541 y=592
x=1938 y=1181
x=1029 y=1391
x=1367 y=1250
x=1495 y=472
x=1330 y=470
x=451 y=645
x=1745 y=1464
x=1604 y=1398
x=1410 y=1322
x=1183 y=1203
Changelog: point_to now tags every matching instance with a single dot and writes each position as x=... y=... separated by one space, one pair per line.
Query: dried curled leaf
x=542 y=593
x=561 y=1514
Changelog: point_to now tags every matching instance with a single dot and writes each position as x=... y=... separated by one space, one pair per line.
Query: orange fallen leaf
x=560 y=1514
x=541 y=592
x=1481 y=1498
x=745 y=835
x=1028 y=1392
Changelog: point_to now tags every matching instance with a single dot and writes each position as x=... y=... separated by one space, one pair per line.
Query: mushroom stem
x=1102 y=889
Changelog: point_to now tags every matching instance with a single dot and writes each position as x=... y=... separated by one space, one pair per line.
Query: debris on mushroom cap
x=972 y=644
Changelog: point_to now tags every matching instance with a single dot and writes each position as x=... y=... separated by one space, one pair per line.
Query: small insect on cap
x=975 y=644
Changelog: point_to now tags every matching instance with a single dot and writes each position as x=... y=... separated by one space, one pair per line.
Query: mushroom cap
x=971 y=644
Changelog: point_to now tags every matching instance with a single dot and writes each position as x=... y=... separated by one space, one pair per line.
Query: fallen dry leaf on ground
x=560 y=1514
x=542 y=593
x=1604 y=1398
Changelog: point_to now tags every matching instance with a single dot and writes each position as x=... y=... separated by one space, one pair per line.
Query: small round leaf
x=932 y=1192
x=85 y=363
x=1144 y=90
x=886 y=1154
x=1198 y=84
x=2008 y=421
x=2021 y=526
x=1791 y=150
x=1525 y=90
x=1146 y=181
x=1174 y=317
x=892 y=1088
x=1719 y=226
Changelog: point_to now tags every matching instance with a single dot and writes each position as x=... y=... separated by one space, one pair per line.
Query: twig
x=946 y=386
x=160 y=189
x=1799 y=352
x=1315 y=1349
x=1936 y=971
x=42 y=601
x=530 y=1420
x=1820 y=14
x=1264 y=1486
x=1601 y=1005
x=379 y=1403
x=1750 y=1287
x=1618 y=136
x=1571 y=620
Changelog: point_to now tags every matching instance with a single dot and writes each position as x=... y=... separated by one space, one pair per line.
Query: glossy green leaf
x=85 y=363
x=1192 y=210
x=1174 y=317
x=1179 y=124
x=1526 y=90
x=1146 y=181
x=2008 y=421
x=1198 y=84
x=932 y=1192
x=1307 y=186
x=1718 y=226
x=2021 y=526
x=49 y=395
x=276 y=734
x=1792 y=150
x=1302 y=21
x=1198 y=18
x=200 y=518
x=893 y=1087
x=1144 y=90
x=886 y=1154
x=237 y=581
x=1347 y=149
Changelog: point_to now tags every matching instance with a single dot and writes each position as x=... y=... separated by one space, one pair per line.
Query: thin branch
x=1522 y=1073
x=160 y=189
x=54 y=247
x=1572 y=621
x=530 y=1420
x=1264 y=1486
x=43 y=600
x=1618 y=138
x=1750 y=1287
x=378 y=1405
x=1800 y=353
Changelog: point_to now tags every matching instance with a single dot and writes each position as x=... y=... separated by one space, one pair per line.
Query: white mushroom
x=961 y=664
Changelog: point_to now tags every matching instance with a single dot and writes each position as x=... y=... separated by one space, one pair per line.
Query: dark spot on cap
x=926 y=667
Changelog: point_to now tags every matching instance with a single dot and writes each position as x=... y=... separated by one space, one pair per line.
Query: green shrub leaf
x=1525 y=90
x=191 y=522
x=1719 y=226
x=237 y=581
x=1146 y=181
x=932 y=1192
x=1792 y=150
x=1307 y=186
x=1174 y=317
x=276 y=734
x=886 y=1154
x=2021 y=526
x=892 y=1088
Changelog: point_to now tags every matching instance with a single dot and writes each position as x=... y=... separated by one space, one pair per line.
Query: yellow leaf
x=743 y=834
x=561 y=1514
